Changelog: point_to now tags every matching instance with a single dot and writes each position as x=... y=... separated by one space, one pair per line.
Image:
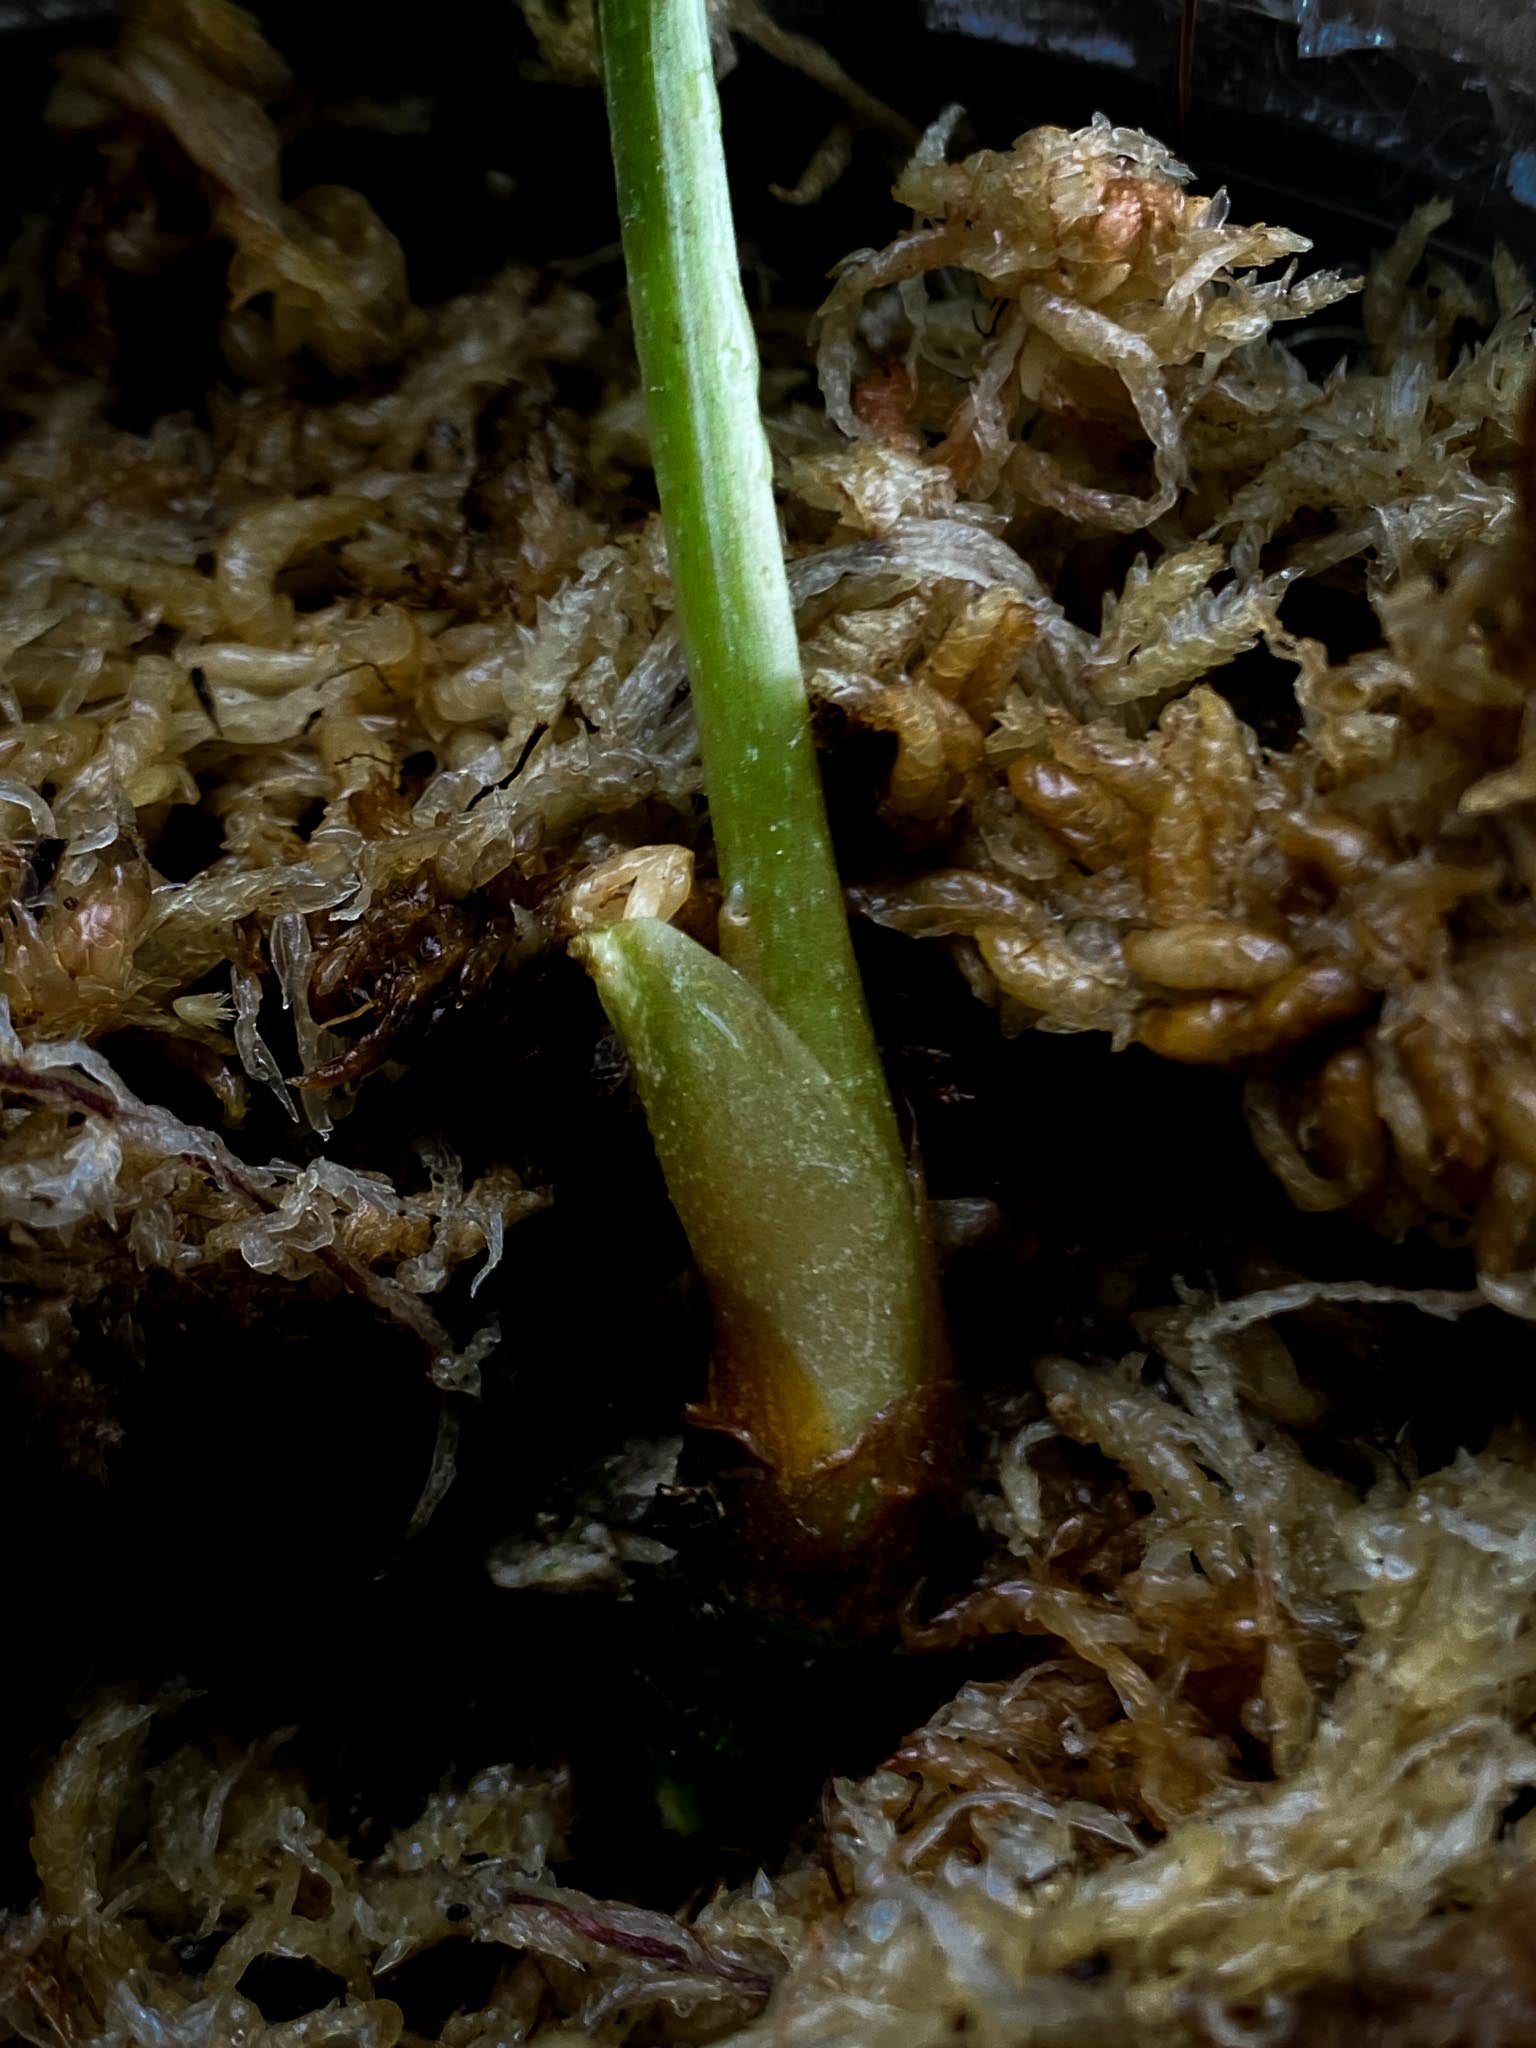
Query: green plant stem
x=805 y=1239
x=759 y=1072
x=785 y=927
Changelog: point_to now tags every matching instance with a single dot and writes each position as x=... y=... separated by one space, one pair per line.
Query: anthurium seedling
x=758 y=1069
